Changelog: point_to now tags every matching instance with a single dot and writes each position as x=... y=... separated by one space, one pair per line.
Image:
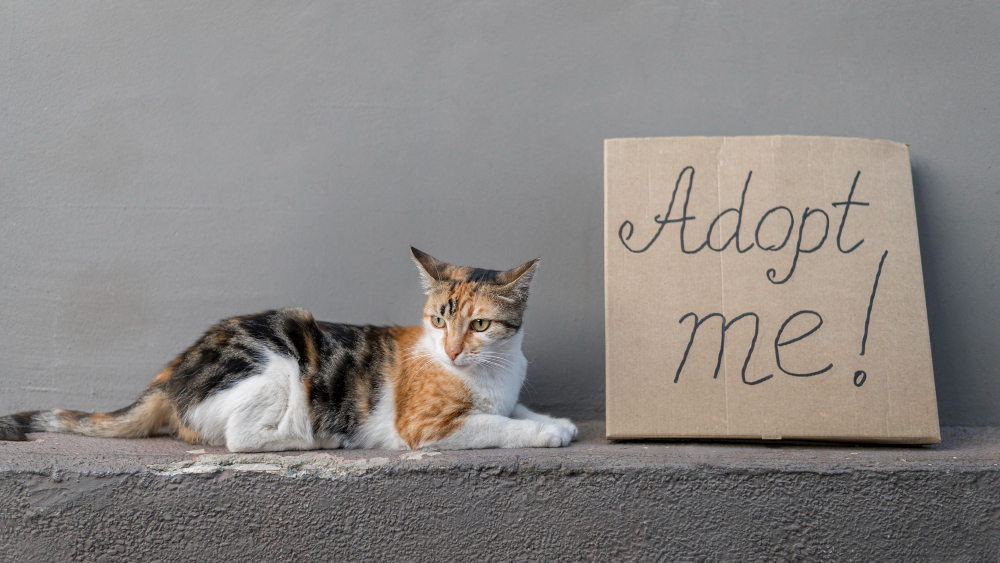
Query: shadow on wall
x=922 y=196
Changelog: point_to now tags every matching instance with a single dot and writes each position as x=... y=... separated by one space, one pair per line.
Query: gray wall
x=164 y=165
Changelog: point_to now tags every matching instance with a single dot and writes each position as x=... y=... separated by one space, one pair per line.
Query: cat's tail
x=151 y=414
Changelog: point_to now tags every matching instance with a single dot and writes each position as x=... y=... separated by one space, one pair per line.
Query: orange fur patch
x=364 y=398
x=163 y=376
x=312 y=356
x=150 y=414
x=179 y=429
x=431 y=403
x=307 y=325
x=186 y=434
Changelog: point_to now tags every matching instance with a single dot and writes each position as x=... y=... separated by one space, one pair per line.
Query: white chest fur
x=496 y=393
x=495 y=385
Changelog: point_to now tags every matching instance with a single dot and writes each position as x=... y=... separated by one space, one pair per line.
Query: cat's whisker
x=498 y=360
x=427 y=362
x=502 y=366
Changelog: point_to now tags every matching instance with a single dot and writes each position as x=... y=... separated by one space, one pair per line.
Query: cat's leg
x=267 y=428
x=522 y=412
x=264 y=412
x=274 y=416
x=495 y=431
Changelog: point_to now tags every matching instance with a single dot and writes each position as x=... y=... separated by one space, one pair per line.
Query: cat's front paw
x=550 y=436
x=567 y=426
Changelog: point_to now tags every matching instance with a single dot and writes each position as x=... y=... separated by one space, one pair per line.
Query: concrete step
x=71 y=498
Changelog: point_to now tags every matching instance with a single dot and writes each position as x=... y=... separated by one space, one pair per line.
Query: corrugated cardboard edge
x=607 y=327
x=901 y=441
x=898 y=440
x=936 y=437
x=696 y=137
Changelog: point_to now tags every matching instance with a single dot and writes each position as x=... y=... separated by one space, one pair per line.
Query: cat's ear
x=516 y=280
x=432 y=270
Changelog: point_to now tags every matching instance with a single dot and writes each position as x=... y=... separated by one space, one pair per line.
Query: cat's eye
x=438 y=322
x=480 y=325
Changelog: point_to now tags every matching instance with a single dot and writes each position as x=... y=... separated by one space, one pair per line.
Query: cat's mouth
x=461 y=362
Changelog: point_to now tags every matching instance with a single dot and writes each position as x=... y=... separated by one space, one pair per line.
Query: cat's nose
x=454 y=354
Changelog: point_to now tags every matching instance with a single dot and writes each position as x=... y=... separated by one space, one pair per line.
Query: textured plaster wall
x=163 y=165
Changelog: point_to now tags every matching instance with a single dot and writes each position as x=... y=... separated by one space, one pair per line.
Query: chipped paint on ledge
x=311 y=464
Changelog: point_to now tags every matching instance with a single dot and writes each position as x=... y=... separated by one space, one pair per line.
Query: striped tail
x=151 y=414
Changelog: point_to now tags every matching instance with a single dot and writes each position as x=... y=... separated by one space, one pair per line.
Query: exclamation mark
x=860 y=375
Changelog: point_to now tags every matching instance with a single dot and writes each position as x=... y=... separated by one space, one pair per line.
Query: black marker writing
x=772 y=274
x=778 y=343
x=627 y=228
x=624 y=237
x=739 y=222
x=859 y=378
x=871 y=302
x=843 y=218
x=722 y=343
x=788 y=235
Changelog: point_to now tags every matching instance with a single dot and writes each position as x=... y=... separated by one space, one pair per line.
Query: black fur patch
x=481 y=275
x=11 y=429
x=342 y=363
x=349 y=376
x=510 y=325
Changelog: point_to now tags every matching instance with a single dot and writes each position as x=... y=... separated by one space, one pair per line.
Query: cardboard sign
x=765 y=288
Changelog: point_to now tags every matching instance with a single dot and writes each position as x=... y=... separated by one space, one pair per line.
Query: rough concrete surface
x=66 y=498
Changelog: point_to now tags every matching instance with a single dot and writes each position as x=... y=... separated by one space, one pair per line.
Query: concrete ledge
x=72 y=498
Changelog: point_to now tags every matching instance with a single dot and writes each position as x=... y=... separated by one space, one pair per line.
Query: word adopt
x=786 y=335
x=774 y=214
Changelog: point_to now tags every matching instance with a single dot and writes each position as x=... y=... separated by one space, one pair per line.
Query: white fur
x=494 y=384
x=264 y=412
x=566 y=426
x=379 y=429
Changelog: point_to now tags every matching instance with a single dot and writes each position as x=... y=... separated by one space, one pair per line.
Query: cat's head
x=472 y=315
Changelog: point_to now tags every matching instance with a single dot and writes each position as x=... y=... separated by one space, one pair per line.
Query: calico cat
x=280 y=380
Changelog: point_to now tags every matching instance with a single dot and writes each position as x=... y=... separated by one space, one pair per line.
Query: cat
x=280 y=380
